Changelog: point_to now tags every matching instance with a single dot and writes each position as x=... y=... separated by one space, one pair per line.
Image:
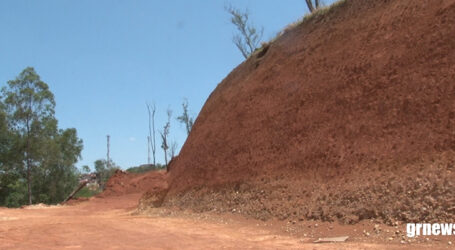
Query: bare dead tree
x=313 y=7
x=151 y=138
x=249 y=38
x=172 y=150
x=164 y=135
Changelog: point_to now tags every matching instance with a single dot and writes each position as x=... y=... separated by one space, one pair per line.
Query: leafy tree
x=10 y=171
x=185 y=118
x=31 y=145
x=58 y=174
x=31 y=106
x=164 y=135
x=313 y=7
x=249 y=37
x=86 y=169
x=104 y=171
x=18 y=193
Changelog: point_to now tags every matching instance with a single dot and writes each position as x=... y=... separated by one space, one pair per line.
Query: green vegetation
x=145 y=168
x=36 y=157
x=87 y=192
x=104 y=171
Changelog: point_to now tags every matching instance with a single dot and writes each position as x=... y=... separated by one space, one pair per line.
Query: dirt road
x=108 y=224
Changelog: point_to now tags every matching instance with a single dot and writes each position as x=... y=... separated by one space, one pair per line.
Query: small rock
x=390 y=238
x=450 y=242
x=403 y=242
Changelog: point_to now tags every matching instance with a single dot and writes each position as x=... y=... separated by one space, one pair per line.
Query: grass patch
x=87 y=192
x=145 y=168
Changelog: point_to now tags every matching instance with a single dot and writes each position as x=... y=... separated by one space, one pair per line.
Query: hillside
x=347 y=116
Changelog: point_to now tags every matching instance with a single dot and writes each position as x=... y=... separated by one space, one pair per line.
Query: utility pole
x=108 y=145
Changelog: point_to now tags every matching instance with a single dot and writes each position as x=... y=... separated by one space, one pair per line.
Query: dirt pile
x=122 y=183
x=348 y=116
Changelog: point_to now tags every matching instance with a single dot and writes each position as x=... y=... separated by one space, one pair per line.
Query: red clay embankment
x=348 y=116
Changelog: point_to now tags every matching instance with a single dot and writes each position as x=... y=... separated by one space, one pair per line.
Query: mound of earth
x=347 y=116
x=122 y=183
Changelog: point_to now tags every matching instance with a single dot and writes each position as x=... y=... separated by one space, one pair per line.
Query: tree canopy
x=37 y=159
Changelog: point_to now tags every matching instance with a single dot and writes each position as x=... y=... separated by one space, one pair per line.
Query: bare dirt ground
x=112 y=223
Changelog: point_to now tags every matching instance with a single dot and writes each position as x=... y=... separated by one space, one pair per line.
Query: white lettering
x=418 y=228
x=426 y=229
x=411 y=230
x=435 y=229
x=446 y=229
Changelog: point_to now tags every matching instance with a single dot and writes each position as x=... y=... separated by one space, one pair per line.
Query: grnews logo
x=427 y=229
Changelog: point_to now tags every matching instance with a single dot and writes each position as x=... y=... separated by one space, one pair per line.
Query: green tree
x=11 y=184
x=249 y=37
x=86 y=169
x=58 y=175
x=30 y=104
x=185 y=118
x=9 y=177
x=104 y=171
x=33 y=151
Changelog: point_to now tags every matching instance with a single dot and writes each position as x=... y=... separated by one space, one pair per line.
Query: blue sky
x=103 y=60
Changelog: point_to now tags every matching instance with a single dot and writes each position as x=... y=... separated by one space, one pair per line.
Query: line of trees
x=37 y=159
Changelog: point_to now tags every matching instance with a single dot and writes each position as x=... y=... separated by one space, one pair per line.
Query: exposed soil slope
x=122 y=183
x=349 y=116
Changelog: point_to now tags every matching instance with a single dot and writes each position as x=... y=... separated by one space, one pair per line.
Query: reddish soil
x=122 y=183
x=344 y=125
x=346 y=117
x=110 y=223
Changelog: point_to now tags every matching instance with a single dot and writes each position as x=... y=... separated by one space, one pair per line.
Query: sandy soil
x=111 y=223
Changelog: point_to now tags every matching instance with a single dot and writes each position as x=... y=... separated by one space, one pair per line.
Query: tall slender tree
x=30 y=105
x=164 y=135
x=151 y=138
